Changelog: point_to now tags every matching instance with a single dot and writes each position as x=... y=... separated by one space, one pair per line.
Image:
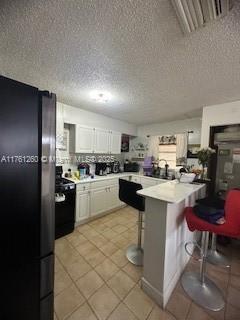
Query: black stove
x=65 y=194
x=63 y=184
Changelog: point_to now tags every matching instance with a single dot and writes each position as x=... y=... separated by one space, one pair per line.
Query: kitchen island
x=165 y=233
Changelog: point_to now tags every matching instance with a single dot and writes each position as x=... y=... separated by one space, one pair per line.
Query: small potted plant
x=204 y=155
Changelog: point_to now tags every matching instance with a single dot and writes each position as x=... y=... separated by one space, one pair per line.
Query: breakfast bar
x=165 y=233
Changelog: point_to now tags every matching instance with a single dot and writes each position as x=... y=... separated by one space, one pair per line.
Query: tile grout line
x=93 y=268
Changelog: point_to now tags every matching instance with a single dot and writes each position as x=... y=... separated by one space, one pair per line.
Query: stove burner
x=63 y=184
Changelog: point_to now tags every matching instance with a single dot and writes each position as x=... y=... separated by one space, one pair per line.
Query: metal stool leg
x=135 y=252
x=215 y=257
x=200 y=288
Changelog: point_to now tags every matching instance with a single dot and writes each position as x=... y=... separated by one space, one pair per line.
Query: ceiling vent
x=193 y=14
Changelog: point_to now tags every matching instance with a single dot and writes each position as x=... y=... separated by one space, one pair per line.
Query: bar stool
x=214 y=256
x=128 y=194
x=199 y=287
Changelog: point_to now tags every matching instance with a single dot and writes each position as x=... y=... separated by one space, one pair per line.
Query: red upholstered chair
x=200 y=288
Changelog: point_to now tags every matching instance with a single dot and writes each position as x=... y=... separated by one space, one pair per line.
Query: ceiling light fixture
x=193 y=14
x=100 y=96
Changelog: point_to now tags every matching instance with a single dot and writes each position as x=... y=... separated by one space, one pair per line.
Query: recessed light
x=101 y=96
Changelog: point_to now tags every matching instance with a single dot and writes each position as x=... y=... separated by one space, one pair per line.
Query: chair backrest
x=232 y=207
x=128 y=194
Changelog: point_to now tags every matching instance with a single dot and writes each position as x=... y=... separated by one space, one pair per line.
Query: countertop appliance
x=84 y=169
x=116 y=167
x=131 y=167
x=148 y=166
x=27 y=170
x=101 y=168
x=65 y=195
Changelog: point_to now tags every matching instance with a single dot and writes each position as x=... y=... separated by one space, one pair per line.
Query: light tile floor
x=94 y=280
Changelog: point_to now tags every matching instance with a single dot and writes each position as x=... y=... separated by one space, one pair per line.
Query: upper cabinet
x=101 y=141
x=108 y=142
x=115 y=142
x=84 y=139
x=96 y=140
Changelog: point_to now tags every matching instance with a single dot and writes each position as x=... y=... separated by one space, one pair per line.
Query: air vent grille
x=193 y=14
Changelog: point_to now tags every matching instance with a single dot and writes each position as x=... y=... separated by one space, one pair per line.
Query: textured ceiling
x=131 y=48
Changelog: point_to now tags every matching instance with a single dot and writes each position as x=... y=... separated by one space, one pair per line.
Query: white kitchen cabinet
x=113 y=198
x=101 y=141
x=104 y=196
x=98 y=201
x=115 y=142
x=82 y=205
x=147 y=182
x=59 y=125
x=84 y=139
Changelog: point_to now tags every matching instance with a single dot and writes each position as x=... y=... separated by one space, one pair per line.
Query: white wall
x=217 y=115
x=76 y=115
x=174 y=127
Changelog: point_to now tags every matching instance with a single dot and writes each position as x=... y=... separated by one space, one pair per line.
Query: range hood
x=193 y=14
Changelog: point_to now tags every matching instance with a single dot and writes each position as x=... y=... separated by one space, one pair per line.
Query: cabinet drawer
x=104 y=183
x=83 y=187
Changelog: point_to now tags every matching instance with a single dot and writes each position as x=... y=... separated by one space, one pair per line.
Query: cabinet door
x=84 y=139
x=101 y=141
x=98 y=201
x=82 y=205
x=115 y=142
x=59 y=126
x=113 y=198
x=147 y=182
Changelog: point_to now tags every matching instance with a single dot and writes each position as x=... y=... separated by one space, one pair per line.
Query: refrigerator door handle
x=48 y=103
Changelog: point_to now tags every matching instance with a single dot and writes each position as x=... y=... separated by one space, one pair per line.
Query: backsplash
x=71 y=160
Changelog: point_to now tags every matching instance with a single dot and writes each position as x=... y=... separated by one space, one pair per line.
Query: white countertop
x=114 y=175
x=171 y=191
x=100 y=178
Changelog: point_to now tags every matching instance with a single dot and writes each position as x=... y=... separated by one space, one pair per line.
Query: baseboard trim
x=152 y=292
x=161 y=298
x=102 y=214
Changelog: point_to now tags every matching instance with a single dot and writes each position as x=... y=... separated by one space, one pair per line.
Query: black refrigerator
x=27 y=183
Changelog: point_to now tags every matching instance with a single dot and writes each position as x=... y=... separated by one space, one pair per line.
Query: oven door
x=65 y=214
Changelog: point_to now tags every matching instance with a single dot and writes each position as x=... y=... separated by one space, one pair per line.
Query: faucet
x=166 y=166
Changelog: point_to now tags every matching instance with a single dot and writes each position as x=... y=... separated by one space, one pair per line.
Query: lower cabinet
x=82 y=205
x=104 y=199
x=146 y=182
x=98 y=201
x=113 y=198
x=98 y=197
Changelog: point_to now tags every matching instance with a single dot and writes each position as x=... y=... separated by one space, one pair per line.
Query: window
x=168 y=152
